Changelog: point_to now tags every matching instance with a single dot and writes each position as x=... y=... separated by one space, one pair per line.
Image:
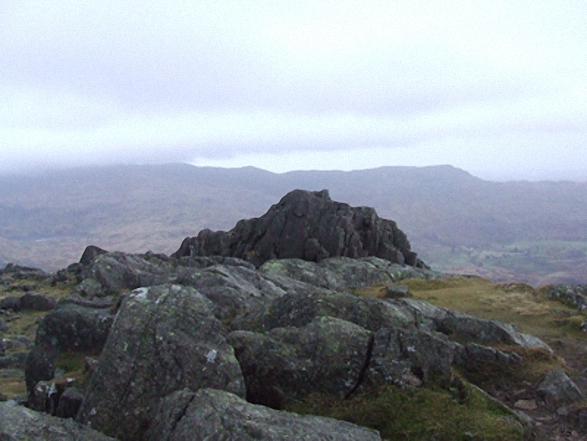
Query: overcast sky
x=498 y=88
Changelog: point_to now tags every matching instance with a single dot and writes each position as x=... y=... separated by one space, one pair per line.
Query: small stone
x=526 y=405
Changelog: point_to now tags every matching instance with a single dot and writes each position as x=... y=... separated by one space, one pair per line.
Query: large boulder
x=328 y=355
x=18 y=423
x=164 y=338
x=310 y=226
x=210 y=414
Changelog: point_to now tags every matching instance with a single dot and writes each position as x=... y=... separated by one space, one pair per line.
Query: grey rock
x=90 y=254
x=409 y=358
x=164 y=338
x=473 y=354
x=18 y=423
x=343 y=273
x=328 y=355
x=72 y=327
x=572 y=295
x=13 y=360
x=70 y=402
x=36 y=302
x=558 y=389
x=4 y=326
x=17 y=342
x=210 y=414
x=44 y=397
x=310 y=226
x=469 y=328
x=235 y=290
x=118 y=271
x=11 y=302
x=299 y=309
x=40 y=365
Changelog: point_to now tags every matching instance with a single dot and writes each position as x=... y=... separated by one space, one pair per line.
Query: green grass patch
x=420 y=414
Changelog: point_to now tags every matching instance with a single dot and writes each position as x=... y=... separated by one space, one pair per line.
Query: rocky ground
x=151 y=347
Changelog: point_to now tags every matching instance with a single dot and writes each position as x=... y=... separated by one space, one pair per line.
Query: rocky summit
x=310 y=226
x=299 y=325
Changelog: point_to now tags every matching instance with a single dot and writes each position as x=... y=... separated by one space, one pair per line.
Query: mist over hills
x=534 y=232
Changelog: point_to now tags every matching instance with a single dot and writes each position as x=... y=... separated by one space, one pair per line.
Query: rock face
x=309 y=226
x=164 y=338
x=210 y=414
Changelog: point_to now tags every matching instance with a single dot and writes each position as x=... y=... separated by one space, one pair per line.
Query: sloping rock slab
x=328 y=355
x=469 y=328
x=18 y=423
x=310 y=226
x=164 y=338
x=210 y=414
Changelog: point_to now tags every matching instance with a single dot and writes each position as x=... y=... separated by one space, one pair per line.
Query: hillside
x=506 y=231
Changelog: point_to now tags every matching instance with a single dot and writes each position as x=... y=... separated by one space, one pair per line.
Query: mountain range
x=533 y=232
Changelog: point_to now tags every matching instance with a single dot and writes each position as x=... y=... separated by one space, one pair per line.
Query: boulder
x=210 y=414
x=310 y=226
x=74 y=327
x=10 y=302
x=19 y=423
x=117 y=271
x=164 y=338
x=328 y=355
x=36 y=302
x=558 y=389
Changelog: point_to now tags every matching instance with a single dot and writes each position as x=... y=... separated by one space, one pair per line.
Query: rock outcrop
x=210 y=414
x=164 y=338
x=309 y=226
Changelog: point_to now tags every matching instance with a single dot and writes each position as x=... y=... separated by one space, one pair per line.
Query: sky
x=498 y=88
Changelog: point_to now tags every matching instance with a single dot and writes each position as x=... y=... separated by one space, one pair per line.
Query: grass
x=420 y=414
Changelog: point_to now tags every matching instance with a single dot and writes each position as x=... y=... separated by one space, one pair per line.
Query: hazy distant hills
x=534 y=232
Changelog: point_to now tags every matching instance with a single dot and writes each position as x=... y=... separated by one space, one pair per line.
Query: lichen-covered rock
x=299 y=309
x=328 y=355
x=18 y=423
x=234 y=290
x=343 y=273
x=117 y=271
x=409 y=358
x=164 y=338
x=572 y=295
x=309 y=226
x=210 y=414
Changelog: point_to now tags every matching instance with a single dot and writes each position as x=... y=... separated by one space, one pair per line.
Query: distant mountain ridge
x=532 y=231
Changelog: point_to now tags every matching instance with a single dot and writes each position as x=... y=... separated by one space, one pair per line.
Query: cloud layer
x=494 y=87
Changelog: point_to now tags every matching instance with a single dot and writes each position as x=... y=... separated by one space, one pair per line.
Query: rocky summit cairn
x=307 y=225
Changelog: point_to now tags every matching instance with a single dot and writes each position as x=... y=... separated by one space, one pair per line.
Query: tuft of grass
x=420 y=414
